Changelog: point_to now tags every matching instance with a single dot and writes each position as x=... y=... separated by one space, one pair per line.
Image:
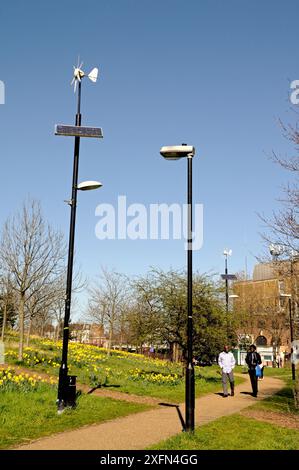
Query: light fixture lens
x=89 y=185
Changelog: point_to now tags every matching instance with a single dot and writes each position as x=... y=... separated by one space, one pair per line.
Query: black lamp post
x=227 y=277
x=67 y=383
x=292 y=337
x=226 y=253
x=175 y=153
x=63 y=397
x=291 y=330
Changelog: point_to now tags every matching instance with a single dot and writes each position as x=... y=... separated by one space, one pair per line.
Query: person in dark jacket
x=252 y=360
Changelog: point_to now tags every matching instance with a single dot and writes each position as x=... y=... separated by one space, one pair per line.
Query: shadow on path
x=100 y=386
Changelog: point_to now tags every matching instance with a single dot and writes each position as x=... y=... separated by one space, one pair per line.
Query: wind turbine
x=79 y=74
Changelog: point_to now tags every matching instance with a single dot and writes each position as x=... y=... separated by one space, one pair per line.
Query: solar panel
x=229 y=277
x=78 y=131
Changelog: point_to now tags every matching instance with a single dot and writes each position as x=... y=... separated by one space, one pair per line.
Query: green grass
x=234 y=432
x=237 y=432
x=27 y=416
x=280 y=402
x=207 y=381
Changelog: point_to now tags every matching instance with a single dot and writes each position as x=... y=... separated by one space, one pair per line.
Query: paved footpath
x=141 y=430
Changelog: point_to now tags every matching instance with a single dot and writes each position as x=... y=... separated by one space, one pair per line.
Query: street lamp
x=289 y=297
x=227 y=277
x=89 y=185
x=175 y=153
x=67 y=383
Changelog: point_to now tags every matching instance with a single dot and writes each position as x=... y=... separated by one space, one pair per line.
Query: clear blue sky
x=210 y=73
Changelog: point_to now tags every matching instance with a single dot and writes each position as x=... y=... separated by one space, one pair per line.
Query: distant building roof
x=263 y=271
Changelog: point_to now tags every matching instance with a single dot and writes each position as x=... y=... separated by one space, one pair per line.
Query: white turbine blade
x=93 y=75
x=75 y=86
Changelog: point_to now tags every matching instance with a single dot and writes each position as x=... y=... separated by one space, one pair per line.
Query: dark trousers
x=253 y=380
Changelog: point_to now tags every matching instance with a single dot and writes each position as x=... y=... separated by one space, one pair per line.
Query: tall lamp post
x=175 y=153
x=289 y=297
x=227 y=277
x=67 y=383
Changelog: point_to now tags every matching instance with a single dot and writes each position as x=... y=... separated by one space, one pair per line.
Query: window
x=268 y=358
x=261 y=324
x=261 y=341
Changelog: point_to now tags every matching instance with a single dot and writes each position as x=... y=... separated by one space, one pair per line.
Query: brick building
x=263 y=310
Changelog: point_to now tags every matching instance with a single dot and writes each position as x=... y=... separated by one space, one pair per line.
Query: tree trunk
x=4 y=321
x=110 y=341
x=57 y=331
x=29 y=331
x=274 y=355
x=21 y=327
x=175 y=352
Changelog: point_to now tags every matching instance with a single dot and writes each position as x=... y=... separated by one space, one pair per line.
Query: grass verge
x=234 y=432
x=28 y=416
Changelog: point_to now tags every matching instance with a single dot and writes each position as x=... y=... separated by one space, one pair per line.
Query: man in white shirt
x=227 y=362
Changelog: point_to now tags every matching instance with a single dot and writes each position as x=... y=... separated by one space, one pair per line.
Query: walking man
x=227 y=362
x=252 y=360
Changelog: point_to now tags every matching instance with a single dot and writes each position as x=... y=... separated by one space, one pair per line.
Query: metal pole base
x=190 y=398
x=67 y=393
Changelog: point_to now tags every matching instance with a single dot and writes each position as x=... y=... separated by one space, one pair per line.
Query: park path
x=141 y=430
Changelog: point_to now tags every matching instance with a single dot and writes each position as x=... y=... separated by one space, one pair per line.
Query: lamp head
x=89 y=185
x=175 y=152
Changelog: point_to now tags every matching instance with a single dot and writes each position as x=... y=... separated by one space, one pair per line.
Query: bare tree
x=7 y=303
x=282 y=226
x=33 y=253
x=107 y=300
x=38 y=308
